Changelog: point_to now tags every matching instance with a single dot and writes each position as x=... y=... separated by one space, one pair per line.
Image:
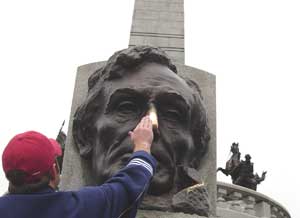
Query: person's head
x=120 y=94
x=29 y=163
x=248 y=157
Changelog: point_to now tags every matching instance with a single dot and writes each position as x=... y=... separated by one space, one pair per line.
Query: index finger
x=148 y=122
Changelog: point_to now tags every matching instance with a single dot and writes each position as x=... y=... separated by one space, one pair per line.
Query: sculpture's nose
x=152 y=112
x=153 y=115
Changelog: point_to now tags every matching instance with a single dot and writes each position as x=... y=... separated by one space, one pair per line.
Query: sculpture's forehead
x=154 y=78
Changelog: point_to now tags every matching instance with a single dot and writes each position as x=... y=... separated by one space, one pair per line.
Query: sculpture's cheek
x=112 y=147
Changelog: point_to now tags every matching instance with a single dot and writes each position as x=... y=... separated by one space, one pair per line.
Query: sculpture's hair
x=120 y=63
x=127 y=59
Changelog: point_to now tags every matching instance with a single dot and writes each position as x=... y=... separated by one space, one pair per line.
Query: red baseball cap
x=31 y=152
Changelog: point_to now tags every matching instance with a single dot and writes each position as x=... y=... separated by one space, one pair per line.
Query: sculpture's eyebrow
x=125 y=94
x=174 y=99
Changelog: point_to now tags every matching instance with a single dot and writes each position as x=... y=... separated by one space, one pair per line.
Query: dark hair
x=127 y=59
x=17 y=184
x=117 y=66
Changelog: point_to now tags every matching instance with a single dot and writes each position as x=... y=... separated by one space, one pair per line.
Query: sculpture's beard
x=107 y=160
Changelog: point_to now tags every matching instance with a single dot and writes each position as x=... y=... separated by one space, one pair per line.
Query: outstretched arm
x=122 y=193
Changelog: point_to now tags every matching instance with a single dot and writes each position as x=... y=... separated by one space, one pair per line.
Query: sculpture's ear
x=82 y=134
x=83 y=128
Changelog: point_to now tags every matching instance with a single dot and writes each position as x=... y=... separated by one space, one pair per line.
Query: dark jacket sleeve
x=122 y=193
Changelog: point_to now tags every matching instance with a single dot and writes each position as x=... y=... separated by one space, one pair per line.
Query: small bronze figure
x=241 y=172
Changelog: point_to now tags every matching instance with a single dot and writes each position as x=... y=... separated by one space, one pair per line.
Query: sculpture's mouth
x=163 y=179
x=162 y=162
x=119 y=154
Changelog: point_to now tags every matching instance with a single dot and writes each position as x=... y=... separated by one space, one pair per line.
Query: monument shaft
x=161 y=24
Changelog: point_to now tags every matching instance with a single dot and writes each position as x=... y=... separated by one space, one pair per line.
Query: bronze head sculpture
x=132 y=82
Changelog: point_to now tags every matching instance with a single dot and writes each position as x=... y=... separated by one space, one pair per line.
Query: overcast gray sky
x=252 y=47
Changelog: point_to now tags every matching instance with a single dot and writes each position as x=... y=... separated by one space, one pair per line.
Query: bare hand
x=142 y=135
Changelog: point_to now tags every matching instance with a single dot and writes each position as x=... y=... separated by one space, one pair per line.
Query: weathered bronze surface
x=120 y=94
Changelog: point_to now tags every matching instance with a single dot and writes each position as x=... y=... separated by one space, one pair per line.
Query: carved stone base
x=193 y=200
x=160 y=214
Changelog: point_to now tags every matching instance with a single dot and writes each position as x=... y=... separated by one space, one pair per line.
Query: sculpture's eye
x=172 y=115
x=127 y=107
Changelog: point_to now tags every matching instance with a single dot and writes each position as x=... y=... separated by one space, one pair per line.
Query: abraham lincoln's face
x=124 y=102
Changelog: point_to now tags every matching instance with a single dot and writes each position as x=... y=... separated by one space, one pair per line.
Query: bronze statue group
x=241 y=171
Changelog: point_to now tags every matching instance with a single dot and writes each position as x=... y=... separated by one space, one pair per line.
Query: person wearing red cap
x=29 y=163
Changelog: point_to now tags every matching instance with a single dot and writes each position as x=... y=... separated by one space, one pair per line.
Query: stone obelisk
x=161 y=24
